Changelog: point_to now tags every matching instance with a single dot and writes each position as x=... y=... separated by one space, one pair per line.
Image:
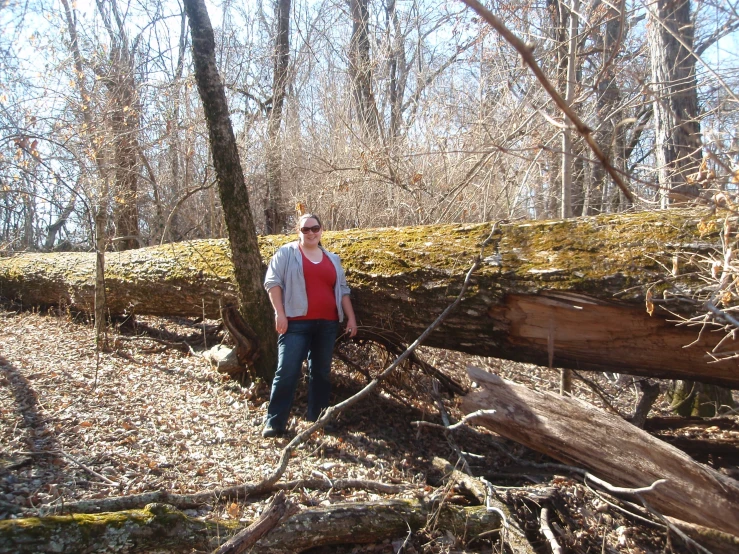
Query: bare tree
x=675 y=97
x=274 y=210
x=254 y=303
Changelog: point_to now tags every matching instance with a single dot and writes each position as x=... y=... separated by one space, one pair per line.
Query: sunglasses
x=313 y=229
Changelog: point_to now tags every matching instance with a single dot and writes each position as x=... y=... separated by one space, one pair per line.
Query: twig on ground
x=547 y=531
x=461 y=423
x=623 y=490
x=75 y=461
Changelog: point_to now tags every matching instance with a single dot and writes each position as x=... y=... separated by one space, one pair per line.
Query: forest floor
x=153 y=414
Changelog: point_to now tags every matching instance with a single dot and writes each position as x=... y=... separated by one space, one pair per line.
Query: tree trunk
x=360 y=70
x=274 y=210
x=254 y=304
x=612 y=449
x=124 y=121
x=675 y=97
x=688 y=398
x=159 y=527
x=575 y=288
x=567 y=157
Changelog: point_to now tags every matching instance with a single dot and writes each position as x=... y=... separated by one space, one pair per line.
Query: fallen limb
x=277 y=509
x=157 y=527
x=204 y=498
x=613 y=450
x=164 y=529
x=366 y=523
x=714 y=541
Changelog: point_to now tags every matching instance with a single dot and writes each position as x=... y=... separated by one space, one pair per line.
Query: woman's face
x=308 y=236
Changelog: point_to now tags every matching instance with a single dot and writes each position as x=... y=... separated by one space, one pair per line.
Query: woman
x=307 y=287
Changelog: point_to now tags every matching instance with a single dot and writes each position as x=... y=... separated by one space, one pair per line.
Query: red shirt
x=320 y=280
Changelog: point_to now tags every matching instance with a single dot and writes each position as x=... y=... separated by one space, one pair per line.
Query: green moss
x=111 y=532
x=595 y=249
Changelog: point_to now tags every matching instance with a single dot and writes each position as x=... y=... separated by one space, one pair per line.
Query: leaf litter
x=146 y=417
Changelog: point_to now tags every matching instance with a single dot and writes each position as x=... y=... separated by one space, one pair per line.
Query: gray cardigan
x=286 y=271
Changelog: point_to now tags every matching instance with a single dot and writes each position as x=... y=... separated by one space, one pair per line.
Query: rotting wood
x=579 y=434
x=164 y=529
x=515 y=535
x=157 y=527
x=350 y=523
x=715 y=541
x=586 y=278
x=278 y=508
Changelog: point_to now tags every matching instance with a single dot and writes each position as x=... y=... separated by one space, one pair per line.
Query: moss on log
x=575 y=289
x=156 y=528
x=160 y=528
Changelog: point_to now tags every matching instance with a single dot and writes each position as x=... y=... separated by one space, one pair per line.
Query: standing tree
x=124 y=125
x=274 y=209
x=675 y=97
x=100 y=215
x=254 y=302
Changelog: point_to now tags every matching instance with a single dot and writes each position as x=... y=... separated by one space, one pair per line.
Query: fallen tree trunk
x=567 y=292
x=161 y=528
x=579 y=434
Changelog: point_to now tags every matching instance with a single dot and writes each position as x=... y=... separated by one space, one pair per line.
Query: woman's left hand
x=351 y=326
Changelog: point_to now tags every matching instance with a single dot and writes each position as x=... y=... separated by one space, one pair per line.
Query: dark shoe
x=270 y=432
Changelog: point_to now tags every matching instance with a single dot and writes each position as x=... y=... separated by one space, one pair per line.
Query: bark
x=516 y=539
x=119 y=78
x=578 y=434
x=567 y=155
x=161 y=528
x=576 y=288
x=675 y=97
x=609 y=133
x=125 y=124
x=274 y=210
x=243 y=540
x=254 y=304
x=648 y=393
x=714 y=541
x=360 y=69
x=688 y=398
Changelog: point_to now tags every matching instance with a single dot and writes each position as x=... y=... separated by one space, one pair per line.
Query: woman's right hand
x=281 y=323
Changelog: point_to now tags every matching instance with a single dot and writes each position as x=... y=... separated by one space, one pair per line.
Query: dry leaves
x=149 y=418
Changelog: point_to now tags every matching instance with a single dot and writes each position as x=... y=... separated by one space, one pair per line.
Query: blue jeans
x=311 y=339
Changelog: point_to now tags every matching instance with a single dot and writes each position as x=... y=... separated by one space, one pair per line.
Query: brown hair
x=303 y=217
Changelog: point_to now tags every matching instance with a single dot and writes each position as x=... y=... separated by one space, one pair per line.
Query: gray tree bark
x=675 y=101
x=248 y=269
x=274 y=210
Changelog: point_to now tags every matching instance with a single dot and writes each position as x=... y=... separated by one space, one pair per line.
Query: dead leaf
x=234 y=510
